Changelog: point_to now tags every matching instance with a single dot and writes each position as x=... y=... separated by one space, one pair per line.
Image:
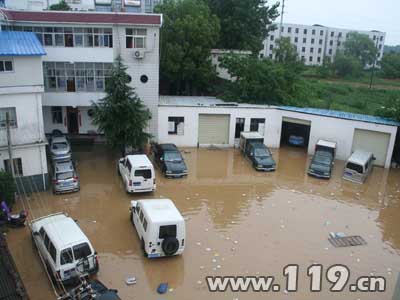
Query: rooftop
x=20 y=43
x=161 y=210
x=200 y=101
x=81 y=17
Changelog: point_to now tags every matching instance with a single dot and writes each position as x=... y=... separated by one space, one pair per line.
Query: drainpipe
x=40 y=140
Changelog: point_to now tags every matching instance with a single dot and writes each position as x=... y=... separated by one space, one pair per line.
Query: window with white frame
x=56 y=114
x=176 y=125
x=76 y=77
x=6 y=65
x=68 y=36
x=12 y=116
x=136 y=38
x=17 y=166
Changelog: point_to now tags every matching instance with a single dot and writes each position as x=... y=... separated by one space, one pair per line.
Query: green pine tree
x=121 y=115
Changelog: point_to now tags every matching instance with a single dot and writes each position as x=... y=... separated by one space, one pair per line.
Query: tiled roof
x=342 y=115
x=82 y=17
x=13 y=43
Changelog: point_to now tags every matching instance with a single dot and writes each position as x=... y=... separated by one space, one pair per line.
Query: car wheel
x=170 y=246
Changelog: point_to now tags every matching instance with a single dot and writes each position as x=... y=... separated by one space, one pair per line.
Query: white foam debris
x=199 y=282
x=244 y=195
x=208 y=249
x=198 y=244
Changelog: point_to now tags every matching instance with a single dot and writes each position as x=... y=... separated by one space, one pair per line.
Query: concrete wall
x=28 y=71
x=79 y=54
x=334 y=129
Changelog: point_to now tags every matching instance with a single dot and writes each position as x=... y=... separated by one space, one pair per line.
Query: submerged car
x=60 y=149
x=260 y=156
x=296 y=140
x=65 y=178
x=323 y=159
x=170 y=160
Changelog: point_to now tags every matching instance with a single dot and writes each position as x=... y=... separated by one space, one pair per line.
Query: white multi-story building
x=137 y=6
x=315 y=42
x=80 y=49
x=21 y=89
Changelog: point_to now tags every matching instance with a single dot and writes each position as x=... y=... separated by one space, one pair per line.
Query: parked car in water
x=160 y=227
x=93 y=289
x=296 y=140
x=322 y=162
x=170 y=160
x=65 y=250
x=358 y=166
x=65 y=177
x=260 y=157
x=137 y=173
x=60 y=148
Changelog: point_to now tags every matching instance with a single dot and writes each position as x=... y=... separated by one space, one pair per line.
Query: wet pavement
x=239 y=222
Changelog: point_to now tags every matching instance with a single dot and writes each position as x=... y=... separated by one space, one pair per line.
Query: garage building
x=205 y=121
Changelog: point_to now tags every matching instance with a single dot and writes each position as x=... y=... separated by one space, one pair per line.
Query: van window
x=355 y=167
x=166 y=231
x=53 y=252
x=81 y=251
x=138 y=210
x=141 y=216
x=146 y=173
x=145 y=224
x=128 y=165
x=66 y=256
x=42 y=232
x=46 y=241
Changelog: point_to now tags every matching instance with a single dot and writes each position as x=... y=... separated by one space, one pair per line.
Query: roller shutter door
x=373 y=141
x=214 y=129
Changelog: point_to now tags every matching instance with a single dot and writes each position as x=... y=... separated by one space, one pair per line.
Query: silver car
x=60 y=149
x=65 y=178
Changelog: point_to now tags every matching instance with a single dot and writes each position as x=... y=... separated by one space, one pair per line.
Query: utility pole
x=9 y=144
x=281 y=24
x=373 y=66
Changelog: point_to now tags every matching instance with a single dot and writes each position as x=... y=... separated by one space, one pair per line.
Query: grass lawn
x=347 y=95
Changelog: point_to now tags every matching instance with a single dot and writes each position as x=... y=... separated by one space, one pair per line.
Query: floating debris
x=208 y=249
x=130 y=280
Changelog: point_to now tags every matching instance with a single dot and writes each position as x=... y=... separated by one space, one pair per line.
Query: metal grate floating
x=347 y=241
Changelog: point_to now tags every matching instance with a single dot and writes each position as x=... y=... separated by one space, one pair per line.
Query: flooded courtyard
x=239 y=222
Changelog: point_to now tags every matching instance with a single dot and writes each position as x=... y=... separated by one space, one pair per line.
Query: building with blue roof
x=203 y=121
x=21 y=91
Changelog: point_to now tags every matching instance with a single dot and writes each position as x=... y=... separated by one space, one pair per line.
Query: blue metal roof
x=341 y=115
x=18 y=43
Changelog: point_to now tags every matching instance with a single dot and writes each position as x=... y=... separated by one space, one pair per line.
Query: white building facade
x=315 y=42
x=81 y=48
x=136 y=6
x=21 y=90
x=204 y=121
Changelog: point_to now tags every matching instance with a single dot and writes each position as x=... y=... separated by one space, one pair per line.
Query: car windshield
x=261 y=153
x=60 y=146
x=172 y=156
x=322 y=158
x=65 y=175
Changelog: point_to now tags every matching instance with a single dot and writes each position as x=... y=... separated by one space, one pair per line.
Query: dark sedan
x=170 y=160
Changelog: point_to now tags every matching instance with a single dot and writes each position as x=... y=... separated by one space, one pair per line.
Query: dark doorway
x=239 y=127
x=72 y=117
x=295 y=134
x=71 y=84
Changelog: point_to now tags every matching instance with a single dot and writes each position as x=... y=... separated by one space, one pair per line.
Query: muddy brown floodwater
x=254 y=223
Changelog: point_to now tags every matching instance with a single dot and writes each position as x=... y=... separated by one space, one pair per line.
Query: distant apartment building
x=136 y=6
x=314 y=43
x=80 y=50
x=21 y=91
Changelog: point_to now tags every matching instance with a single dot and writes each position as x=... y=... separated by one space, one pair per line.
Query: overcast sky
x=382 y=15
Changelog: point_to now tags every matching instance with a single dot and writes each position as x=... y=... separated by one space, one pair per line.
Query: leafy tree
x=285 y=52
x=188 y=34
x=7 y=188
x=121 y=115
x=347 y=65
x=360 y=46
x=326 y=69
x=391 y=65
x=260 y=81
x=244 y=23
x=391 y=49
x=62 y=5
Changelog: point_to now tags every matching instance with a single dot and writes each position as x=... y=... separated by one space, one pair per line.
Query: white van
x=65 y=250
x=160 y=226
x=358 y=166
x=137 y=173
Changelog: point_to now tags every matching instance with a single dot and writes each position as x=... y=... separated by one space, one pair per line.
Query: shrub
x=7 y=188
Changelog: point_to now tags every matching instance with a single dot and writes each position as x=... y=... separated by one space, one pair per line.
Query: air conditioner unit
x=138 y=54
